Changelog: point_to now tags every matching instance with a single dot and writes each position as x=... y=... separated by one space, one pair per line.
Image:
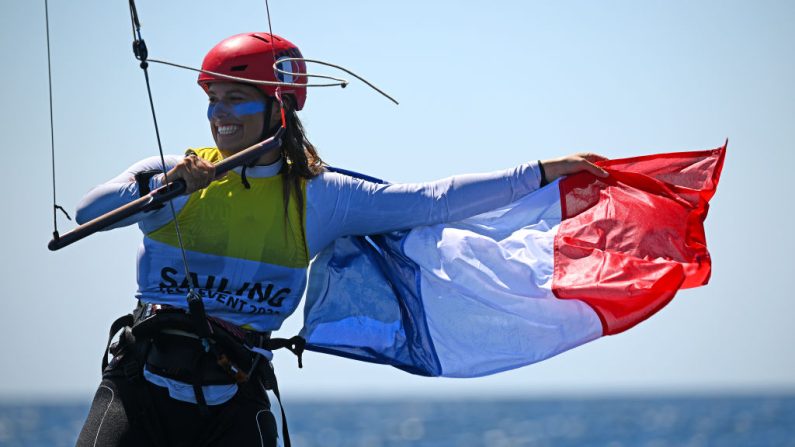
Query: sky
x=482 y=86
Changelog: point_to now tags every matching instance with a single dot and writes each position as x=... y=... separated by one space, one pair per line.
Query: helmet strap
x=267 y=131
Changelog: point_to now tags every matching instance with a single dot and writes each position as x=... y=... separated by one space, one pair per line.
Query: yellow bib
x=226 y=219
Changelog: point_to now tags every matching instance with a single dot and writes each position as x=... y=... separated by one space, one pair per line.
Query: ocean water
x=626 y=422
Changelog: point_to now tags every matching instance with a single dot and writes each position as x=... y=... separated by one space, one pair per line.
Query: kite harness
x=193 y=348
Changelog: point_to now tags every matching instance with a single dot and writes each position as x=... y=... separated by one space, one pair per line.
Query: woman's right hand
x=197 y=173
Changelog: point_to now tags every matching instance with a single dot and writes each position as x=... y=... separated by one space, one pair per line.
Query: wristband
x=142 y=179
x=544 y=181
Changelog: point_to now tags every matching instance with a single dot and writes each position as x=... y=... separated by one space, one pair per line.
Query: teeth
x=227 y=130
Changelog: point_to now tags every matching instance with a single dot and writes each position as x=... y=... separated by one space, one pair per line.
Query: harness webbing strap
x=132 y=370
x=270 y=377
x=201 y=401
x=121 y=322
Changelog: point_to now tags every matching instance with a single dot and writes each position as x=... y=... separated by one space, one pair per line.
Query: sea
x=741 y=421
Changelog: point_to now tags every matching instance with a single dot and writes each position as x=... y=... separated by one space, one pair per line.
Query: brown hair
x=300 y=158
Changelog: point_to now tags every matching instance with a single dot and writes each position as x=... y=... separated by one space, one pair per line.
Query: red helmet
x=251 y=56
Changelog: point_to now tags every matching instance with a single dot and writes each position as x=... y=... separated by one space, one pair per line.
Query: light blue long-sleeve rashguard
x=340 y=205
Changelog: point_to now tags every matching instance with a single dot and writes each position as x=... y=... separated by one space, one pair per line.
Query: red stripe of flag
x=627 y=243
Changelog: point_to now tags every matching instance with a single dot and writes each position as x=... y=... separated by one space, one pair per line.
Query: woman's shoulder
x=327 y=179
x=333 y=183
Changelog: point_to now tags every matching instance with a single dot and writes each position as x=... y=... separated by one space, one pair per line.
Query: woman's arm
x=124 y=188
x=340 y=205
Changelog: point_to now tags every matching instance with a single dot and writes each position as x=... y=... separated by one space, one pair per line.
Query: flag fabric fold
x=580 y=258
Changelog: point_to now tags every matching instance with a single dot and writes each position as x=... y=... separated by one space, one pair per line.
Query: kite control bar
x=162 y=195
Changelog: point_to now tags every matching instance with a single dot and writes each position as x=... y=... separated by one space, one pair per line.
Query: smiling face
x=237 y=115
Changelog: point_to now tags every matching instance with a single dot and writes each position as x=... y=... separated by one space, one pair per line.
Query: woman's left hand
x=571 y=164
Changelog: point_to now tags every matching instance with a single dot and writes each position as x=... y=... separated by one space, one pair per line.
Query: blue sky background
x=482 y=86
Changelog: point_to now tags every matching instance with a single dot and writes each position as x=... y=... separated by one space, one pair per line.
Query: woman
x=249 y=238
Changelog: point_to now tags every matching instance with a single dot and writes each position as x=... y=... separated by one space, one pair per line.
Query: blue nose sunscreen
x=240 y=110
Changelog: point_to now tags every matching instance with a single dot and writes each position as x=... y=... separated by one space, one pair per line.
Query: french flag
x=580 y=258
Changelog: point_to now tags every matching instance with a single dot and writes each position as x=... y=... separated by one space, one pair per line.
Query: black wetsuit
x=117 y=410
